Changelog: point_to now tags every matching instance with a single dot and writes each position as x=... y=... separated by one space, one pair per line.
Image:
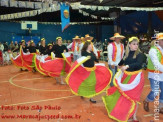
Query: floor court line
x=21 y=80
x=40 y=101
x=147 y=115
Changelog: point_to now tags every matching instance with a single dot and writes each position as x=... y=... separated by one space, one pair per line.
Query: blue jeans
x=114 y=72
x=75 y=57
x=155 y=87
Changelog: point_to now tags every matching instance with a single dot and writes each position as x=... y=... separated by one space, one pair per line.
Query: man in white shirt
x=75 y=47
x=115 y=53
x=155 y=74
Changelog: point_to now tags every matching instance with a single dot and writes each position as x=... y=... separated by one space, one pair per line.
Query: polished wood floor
x=26 y=93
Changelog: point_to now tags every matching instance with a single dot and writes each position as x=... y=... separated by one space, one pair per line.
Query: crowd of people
x=87 y=79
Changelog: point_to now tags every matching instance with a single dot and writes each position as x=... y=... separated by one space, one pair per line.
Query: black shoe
x=92 y=100
x=33 y=70
x=81 y=97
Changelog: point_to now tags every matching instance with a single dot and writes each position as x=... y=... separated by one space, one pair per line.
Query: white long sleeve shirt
x=1 y=47
x=76 y=47
x=118 y=56
x=156 y=63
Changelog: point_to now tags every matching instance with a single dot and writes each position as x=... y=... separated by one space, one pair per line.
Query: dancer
x=115 y=53
x=76 y=47
x=50 y=49
x=155 y=73
x=32 y=48
x=59 y=49
x=23 y=45
x=86 y=78
x=122 y=99
x=90 y=38
x=42 y=47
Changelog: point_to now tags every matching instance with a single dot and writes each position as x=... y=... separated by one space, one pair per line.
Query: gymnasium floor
x=25 y=93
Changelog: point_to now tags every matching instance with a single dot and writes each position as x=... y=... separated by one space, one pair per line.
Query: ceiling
x=76 y=16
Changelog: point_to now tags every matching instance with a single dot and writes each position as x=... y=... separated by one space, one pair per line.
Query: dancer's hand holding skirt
x=17 y=61
x=24 y=60
x=121 y=100
x=88 y=82
x=53 y=67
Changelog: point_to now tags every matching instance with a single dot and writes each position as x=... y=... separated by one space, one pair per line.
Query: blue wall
x=8 y=30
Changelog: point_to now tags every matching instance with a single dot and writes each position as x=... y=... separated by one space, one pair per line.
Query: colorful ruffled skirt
x=53 y=67
x=24 y=60
x=88 y=82
x=121 y=100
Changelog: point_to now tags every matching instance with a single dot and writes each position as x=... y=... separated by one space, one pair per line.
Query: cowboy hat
x=88 y=37
x=77 y=38
x=117 y=35
x=159 y=36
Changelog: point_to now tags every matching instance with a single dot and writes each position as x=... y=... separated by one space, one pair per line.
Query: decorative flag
x=8 y=16
x=34 y=12
x=40 y=11
x=19 y=15
x=38 y=5
x=4 y=17
x=30 y=4
x=23 y=14
x=27 y=13
x=31 y=13
x=4 y=3
x=15 y=15
x=45 y=5
x=12 y=16
x=1 y=17
x=13 y=3
x=22 y=4
x=49 y=10
x=65 y=16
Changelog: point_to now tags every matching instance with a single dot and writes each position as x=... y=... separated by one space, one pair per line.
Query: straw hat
x=88 y=37
x=77 y=38
x=117 y=35
x=159 y=36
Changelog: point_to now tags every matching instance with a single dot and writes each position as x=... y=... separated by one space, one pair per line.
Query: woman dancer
x=129 y=82
x=86 y=78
